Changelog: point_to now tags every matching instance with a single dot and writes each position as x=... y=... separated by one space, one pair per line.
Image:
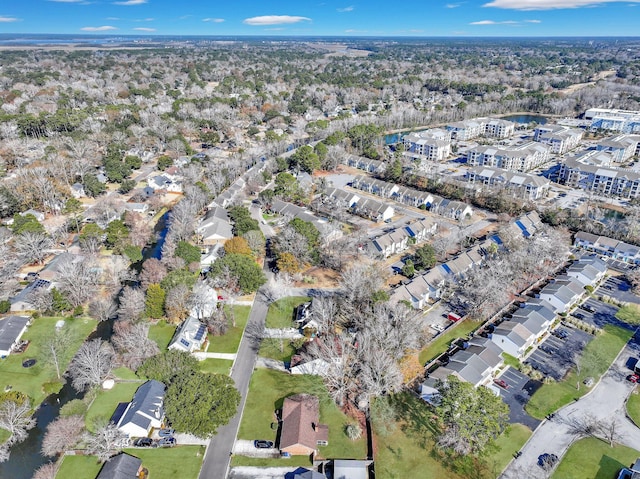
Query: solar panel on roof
x=185 y=343
x=200 y=332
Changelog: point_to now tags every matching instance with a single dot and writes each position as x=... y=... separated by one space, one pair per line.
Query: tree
x=91 y=237
x=117 y=233
x=26 y=223
x=242 y=268
x=16 y=418
x=126 y=186
x=92 y=186
x=105 y=442
x=408 y=269
x=256 y=241
x=188 y=252
x=469 y=419
x=54 y=347
x=305 y=159
x=153 y=271
x=237 y=245
x=242 y=220
x=425 y=257
x=288 y=263
x=32 y=247
x=154 y=301
x=102 y=309
x=46 y=471
x=167 y=365
x=164 y=162
x=132 y=343
x=61 y=435
x=177 y=302
x=78 y=280
x=91 y=365
x=132 y=304
x=198 y=403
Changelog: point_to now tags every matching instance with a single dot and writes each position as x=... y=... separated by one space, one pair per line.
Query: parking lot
x=554 y=356
x=517 y=395
x=619 y=289
x=598 y=313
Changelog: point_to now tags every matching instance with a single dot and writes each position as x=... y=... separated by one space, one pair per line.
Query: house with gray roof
x=562 y=293
x=215 y=227
x=122 y=466
x=190 y=336
x=475 y=364
x=144 y=412
x=11 y=330
x=513 y=338
x=589 y=270
x=23 y=300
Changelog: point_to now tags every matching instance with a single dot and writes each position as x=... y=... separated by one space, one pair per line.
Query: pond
x=526 y=119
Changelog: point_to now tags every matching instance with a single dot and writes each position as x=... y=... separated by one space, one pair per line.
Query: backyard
x=41 y=379
x=182 y=462
x=596 y=359
x=161 y=333
x=229 y=342
x=106 y=401
x=407 y=446
x=267 y=391
x=441 y=343
x=592 y=458
x=280 y=314
x=279 y=349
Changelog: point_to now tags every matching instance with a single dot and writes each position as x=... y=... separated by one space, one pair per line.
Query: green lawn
x=409 y=447
x=267 y=391
x=230 y=341
x=280 y=349
x=292 y=461
x=511 y=360
x=599 y=354
x=219 y=366
x=79 y=467
x=125 y=373
x=106 y=401
x=633 y=406
x=280 y=313
x=593 y=459
x=31 y=381
x=161 y=333
x=629 y=314
x=442 y=341
x=181 y=462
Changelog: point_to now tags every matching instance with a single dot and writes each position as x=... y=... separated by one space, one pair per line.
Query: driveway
x=602 y=313
x=554 y=356
x=605 y=403
x=244 y=447
x=517 y=395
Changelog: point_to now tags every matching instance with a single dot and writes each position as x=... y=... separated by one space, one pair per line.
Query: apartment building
x=430 y=145
x=515 y=158
x=589 y=174
x=489 y=127
x=559 y=139
x=521 y=185
x=621 y=147
x=624 y=121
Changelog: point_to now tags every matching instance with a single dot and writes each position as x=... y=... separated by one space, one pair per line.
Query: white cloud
x=453 y=5
x=547 y=4
x=113 y=19
x=504 y=22
x=144 y=29
x=275 y=20
x=131 y=2
x=213 y=20
x=9 y=19
x=533 y=21
x=350 y=8
x=103 y=28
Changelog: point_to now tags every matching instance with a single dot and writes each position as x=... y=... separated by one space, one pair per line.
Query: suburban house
x=475 y=364
x=421 y=230
x=11 y=330
x=562 y=293
x=513 y=338
x=315 y=367
x=391 y=243
x=373 y=209
x=608 y=247
x=39 y=215
x=535 y=318
x=144 y=412
x=77 y=191
x=23 y=300
x=340 y=198
x=302 y=473
x=527 y=224
x=215 y=227
x=301 y=432
x=122 y=466
x=367 y=164
x=228 y=196
x=190 y=336
x=164 y=182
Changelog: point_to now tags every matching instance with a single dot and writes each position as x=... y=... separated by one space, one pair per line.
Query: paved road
x=606 y=403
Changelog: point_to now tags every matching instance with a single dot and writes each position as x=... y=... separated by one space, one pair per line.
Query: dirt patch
x=322 y=278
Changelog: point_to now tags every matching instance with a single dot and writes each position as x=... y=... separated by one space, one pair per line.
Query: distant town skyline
x=508 y=18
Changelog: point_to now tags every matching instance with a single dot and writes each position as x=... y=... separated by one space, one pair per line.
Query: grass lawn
x=633 y=406
x=219 y=366
x=161 y=333
x=408 y=447
x=267 y=391
x=31 y=380
x=280 y=313
x=274 y=348
x=230 y=341
x=593 y=459
x=79 y=467
x=511 y=360
x=629 y=314
x=182 y=462
x=125 y=373
x=597 y=357
x=442 y=341
x=106 y=401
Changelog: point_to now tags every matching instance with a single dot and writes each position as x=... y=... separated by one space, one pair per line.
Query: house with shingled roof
x=301 y=432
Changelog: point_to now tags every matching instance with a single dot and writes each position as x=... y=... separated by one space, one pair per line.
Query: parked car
x=167 y=442
x=143 y=442
x=587 y=307
x=546 y=461
x=166 y=432
x=625 y=473
x=262 y=444
x=578 y=315
x=634 y=378
x=560 y=333
x=502 y=383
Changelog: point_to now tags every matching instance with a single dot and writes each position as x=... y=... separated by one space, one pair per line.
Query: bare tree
x=131 y=341
x=32 y=247
x=132 y=304
x=61 y=435
x=16 y=418
x=78 y=279
x=102 y=309
x=42 y=299
x=153 y=271
x=177 y=302
x=46 y=471
x=106 y=442
x=324 y=311
x=91 y=365
x=54 y=347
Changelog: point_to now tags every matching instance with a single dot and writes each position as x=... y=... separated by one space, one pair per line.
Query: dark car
x=502 y=383
x=166 y=432
x=262 y=444
x=587 y=307
x=546 y=461
x=578 y=315
x=143 y=442
x=560 y=333
x=167 y=442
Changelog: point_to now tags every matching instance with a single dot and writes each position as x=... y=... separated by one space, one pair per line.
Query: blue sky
x=328 y=17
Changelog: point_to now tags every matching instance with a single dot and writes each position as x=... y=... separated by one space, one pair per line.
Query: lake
x=526 y=119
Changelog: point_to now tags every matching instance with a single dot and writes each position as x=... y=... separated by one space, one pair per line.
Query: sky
x=507 y=18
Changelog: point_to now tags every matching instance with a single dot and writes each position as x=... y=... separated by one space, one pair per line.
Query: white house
x=189 y=336
x=562 y=293
x=11 y=330
x=513 y=338
x=144 y=412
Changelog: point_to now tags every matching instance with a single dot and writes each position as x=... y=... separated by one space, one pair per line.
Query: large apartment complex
x=515 y=158
x=489 y=127
x=431 y=145
x=624 y=121
x=559 y=139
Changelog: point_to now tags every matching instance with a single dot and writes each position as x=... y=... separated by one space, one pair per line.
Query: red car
x=634 y=378
x=502 y=383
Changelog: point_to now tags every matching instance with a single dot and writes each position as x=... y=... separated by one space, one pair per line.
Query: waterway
x=526 y=119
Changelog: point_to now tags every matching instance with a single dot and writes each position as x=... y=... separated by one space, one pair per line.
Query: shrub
x=353 y=431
